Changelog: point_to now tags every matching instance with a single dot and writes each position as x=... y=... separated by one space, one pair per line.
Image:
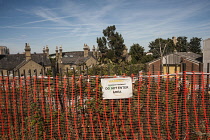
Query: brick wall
x=31 y=65
x=156 y=67
x=190 y=67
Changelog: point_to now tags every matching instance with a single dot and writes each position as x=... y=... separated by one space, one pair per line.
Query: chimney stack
x=60 y=54
x=56 y=53
x=94 y=51
x=27 y=52
x=44 y=49
x=47 y=50
x=86 y=50
x=174 y=40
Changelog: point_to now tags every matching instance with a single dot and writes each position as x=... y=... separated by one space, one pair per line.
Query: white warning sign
x=117 y=88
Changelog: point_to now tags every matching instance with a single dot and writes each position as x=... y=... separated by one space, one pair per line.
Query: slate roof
x=41 y=59
x=189 y=55
x=11 y=61
x=75 y=57
x=2 y=56
x=71 y=57
x=192 y=56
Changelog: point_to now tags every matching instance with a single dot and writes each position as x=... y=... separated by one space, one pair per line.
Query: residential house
x=24 y=63
x=172 y=63
x=75 y=59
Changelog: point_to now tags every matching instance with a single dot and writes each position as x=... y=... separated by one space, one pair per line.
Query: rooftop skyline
x=71 y=23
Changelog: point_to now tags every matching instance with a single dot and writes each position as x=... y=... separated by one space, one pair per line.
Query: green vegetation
x=138 y=55
x=112 y=47
x=74 y=108
x=165 y=46
x=136 y=52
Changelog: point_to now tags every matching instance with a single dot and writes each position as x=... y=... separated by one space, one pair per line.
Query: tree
x=161 y=47
x=136 y=52
x=195 y=45
x=102 y=44
x=182 y=44
x=146 y=58
x=111 y=45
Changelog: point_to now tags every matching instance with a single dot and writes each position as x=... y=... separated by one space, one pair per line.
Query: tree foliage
x=161 y=47
x=146 y=58
x=111 y=45
x=195 y=45
x=136 y=52
x=102 y=44
x=182 y=44
x=165 y=46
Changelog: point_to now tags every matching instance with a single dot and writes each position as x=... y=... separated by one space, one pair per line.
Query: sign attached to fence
x=117 y=88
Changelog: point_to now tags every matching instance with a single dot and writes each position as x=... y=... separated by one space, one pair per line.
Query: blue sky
x=71 y=23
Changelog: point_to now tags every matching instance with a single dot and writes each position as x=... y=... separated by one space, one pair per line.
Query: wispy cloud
x=137 y=21
x=49 y=15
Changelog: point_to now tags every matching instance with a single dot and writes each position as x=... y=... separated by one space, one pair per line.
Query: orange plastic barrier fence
x=162 y=107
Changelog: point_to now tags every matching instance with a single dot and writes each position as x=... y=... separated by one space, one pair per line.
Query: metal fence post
x=207 y=84
x=183 y=98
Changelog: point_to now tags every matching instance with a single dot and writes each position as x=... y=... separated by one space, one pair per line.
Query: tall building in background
x=206 y=53
x=4 y=50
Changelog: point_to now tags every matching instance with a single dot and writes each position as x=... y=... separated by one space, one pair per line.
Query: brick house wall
x=190 y=66
x=154 y=68
x=31 y=65
x=91 y=61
